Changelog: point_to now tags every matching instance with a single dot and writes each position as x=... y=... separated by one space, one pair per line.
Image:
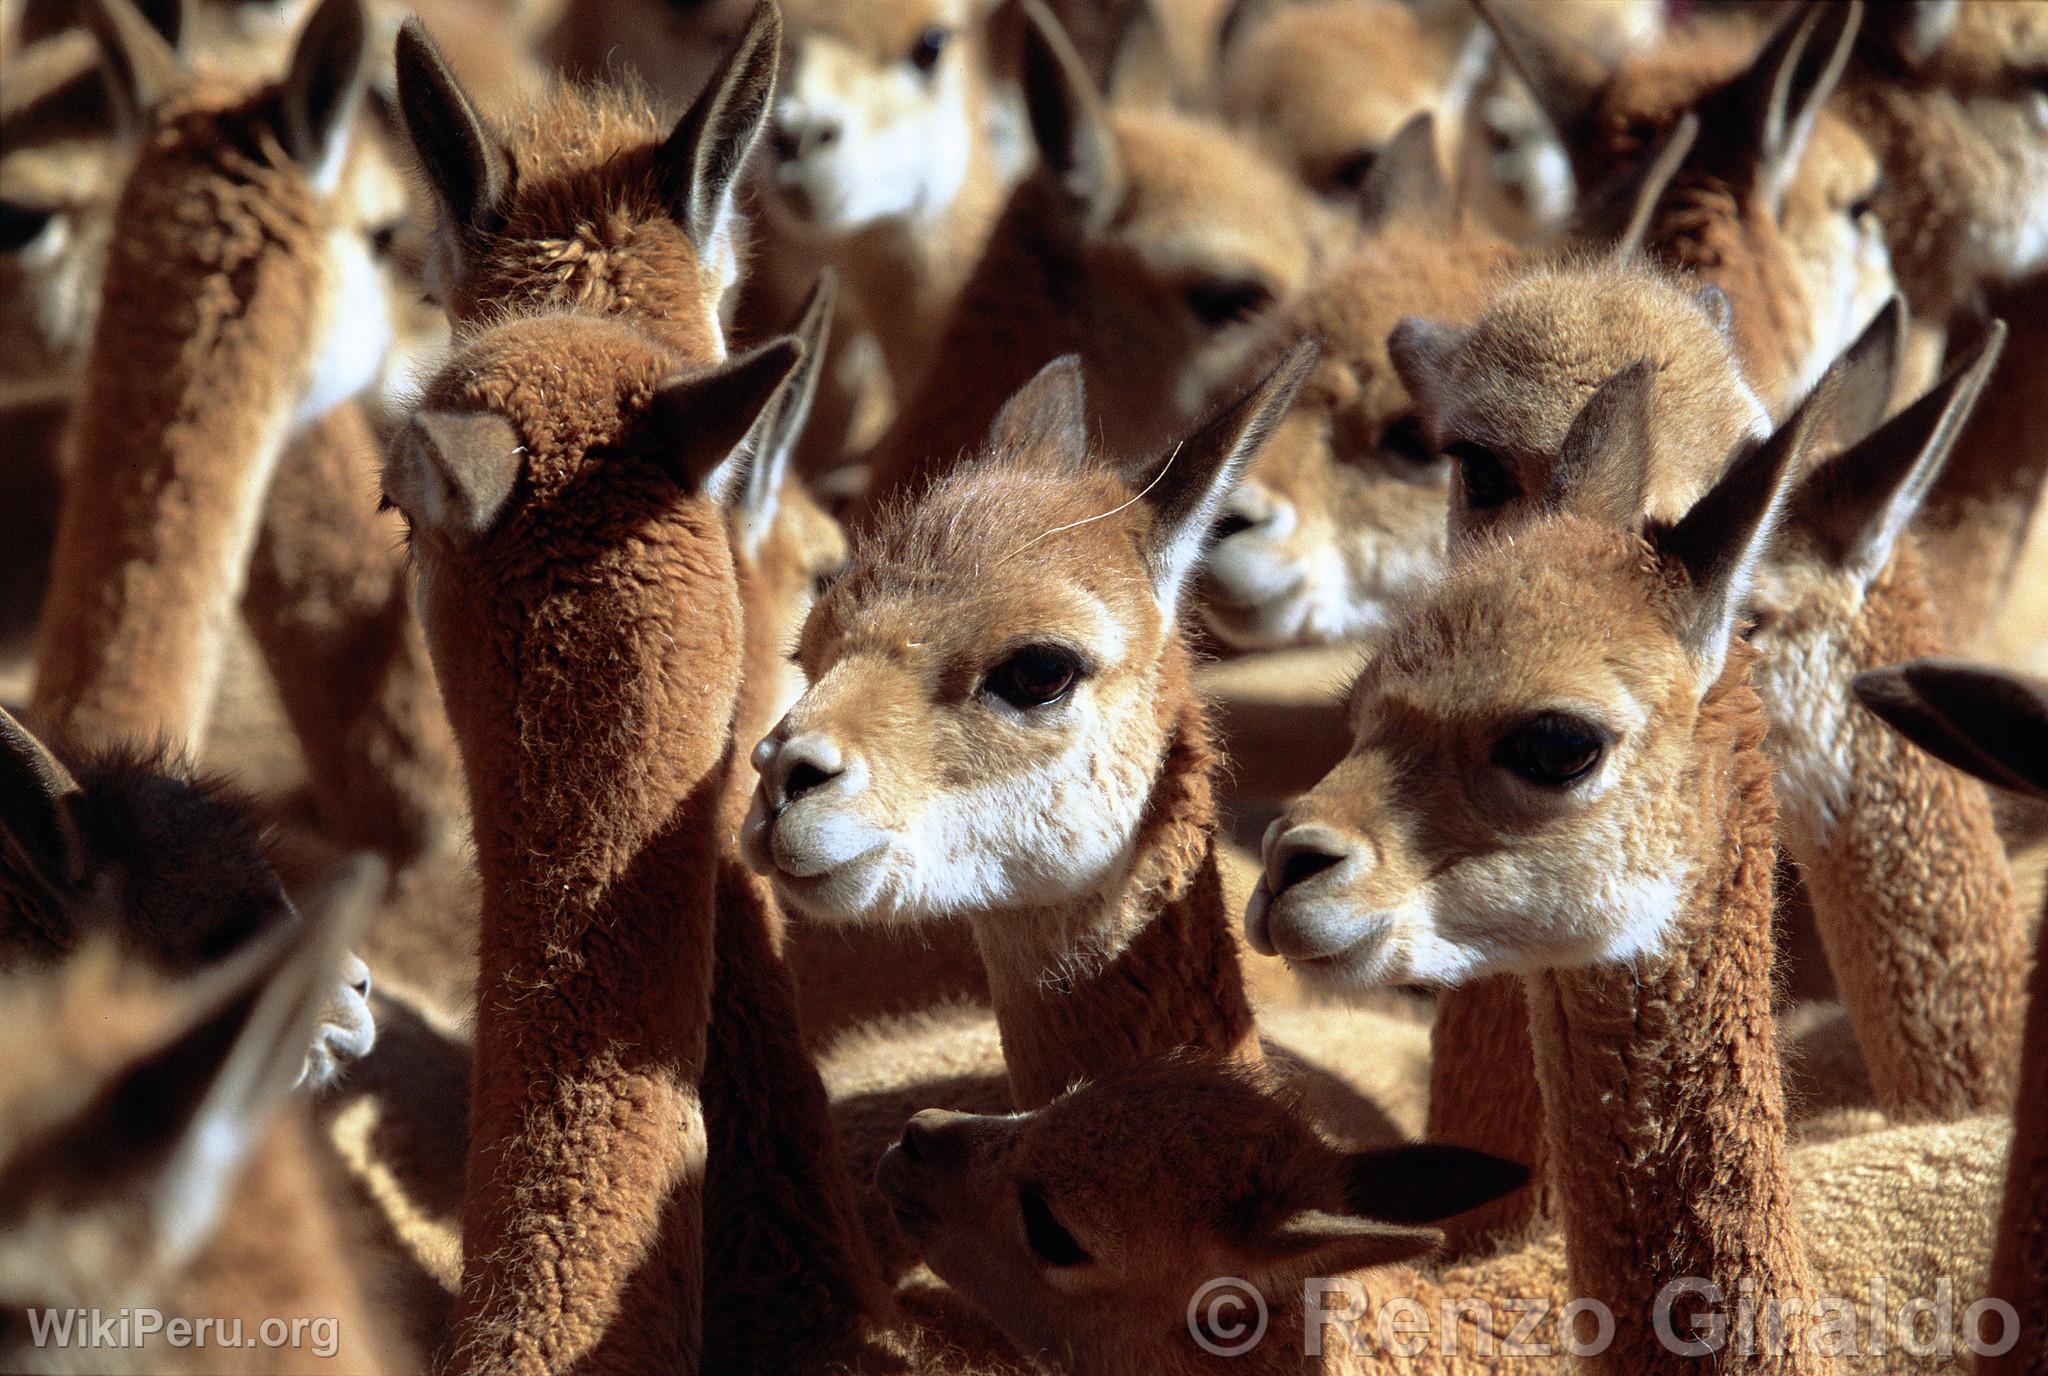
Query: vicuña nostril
x=805 y=776
x=1231 y=523
x=916 y=1139
x=825 y=133
x=1299 y=865
x=787 y=142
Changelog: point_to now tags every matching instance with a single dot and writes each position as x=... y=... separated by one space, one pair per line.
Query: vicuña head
x=134 y=850
x=1498 y=396
x=1523 y=786
x=881 y=111
x=1089 y=1228
x=996 y=679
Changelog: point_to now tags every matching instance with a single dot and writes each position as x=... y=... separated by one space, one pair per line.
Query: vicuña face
x=984 y=716
x=1516 y=791
x=873 y=120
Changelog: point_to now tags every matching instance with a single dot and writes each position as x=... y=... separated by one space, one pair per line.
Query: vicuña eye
x=1347 y=178
x=1228 y=301
x=21 y=225
x=1867 y=202
x=1049 y=1239
x=1035 y=676
x=925 y=52
x=1405 y=439
x=1484 y=476
x=1554 y=750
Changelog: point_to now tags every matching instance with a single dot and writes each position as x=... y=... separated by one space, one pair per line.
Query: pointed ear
x=1603 y=466
x=1051 y=408
x=1771 y=108
x=463 y=162
x=1188 y=485
x=775 y=436
x=142 y=63
x=1067 y=117
x=1426 y=1182
x=701 y=161
x=324 y=89
x=1407 y=179
x=1566 y=81
x=1868 y=374
x=1982 y=720
x=1312 y=1242
x=1716 y=545
x=39 y=799
x=1858 y=503
x=1140 y=62
x=1421 y=351
x=702 y=421
x=453 y=471
x=1618 y=216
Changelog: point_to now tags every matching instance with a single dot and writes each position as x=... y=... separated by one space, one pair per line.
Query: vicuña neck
x=1661 y=1089
x=1134 y=972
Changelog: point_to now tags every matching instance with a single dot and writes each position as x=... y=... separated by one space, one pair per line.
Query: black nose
x=1299 y=863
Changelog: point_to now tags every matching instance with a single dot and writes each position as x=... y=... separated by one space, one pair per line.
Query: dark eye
x=1553 y=750
x=1483 y=475
x=1406 y=440
x=1228 y=301
x=1347 y=178
x=924 y=53
x=383 y=240
x=1867 y=202
x=1054 y=1245
x=21 y=226
x=1035 y=676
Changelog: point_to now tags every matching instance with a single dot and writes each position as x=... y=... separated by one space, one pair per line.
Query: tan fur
x=1173 y=1177
x=599 y=616
x=221 y=291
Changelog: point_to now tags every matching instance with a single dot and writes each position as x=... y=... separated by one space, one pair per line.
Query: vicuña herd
x=1119 y=687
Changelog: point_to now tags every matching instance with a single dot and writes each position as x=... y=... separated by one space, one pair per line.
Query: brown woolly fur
x=586 y=220
x=82 y=1225
x=330 y=604
x=589 y=641
x=1911 y=891
x=1175 y=1176
x=1689 y=1041
x=1483 y=1094
x=221 y=290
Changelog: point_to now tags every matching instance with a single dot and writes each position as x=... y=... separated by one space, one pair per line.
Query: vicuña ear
x=1051 y=409
x=1407 y=179
x=324 y=89
x=1189 y=484
x=701 y=161
x=1869 y=373
x=140 y=56
x=1426 y=1182
x=1982 y=720
x=1312 y=1242
x=702 y=420
x=1617 y=217
x=776 y=434
x=1067 y=117
x=1858 y=503
x=1422 y=351
x=1771 y=108
x=1603 y=466
x=176 y=1124
x=452 y=471
x=1716 y=545
x=463 y=161
x=1566 y=81
x=38 y=809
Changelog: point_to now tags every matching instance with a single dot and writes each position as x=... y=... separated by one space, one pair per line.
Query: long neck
x=1661 y=1084
x=195 y=372
x=1483 y=1094
x=1919 y=919
x=2019 y=1263
x=329 y=604
x=1020 y=310
x=1148 y=968
x=594 y=720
